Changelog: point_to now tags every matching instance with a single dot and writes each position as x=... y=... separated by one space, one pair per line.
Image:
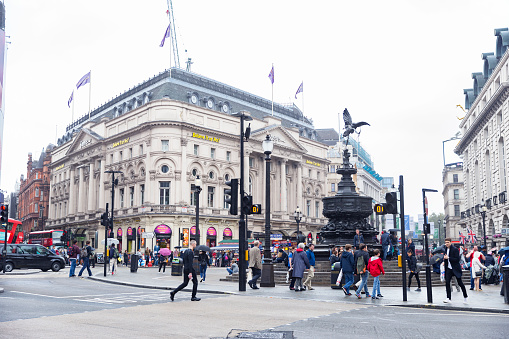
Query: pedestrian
x=470 y=256
x=334 y=257
x=477 y=267
x=73 y=252
x=347 y=265
x=189 y=272
x=156 y=254
x=300 y=264
x=361 y=259
x=452 y=268
x=358 y=239
x=233 y=269
x=394 y=246
x=412 y=266
x=375 y=268
x=54 y=249
x=410 y=246
x=163 y=260
x=255 y=264
x=311 y=271
x=113 y=256
x=147 y=256
x=126 y=258
x=203 y=259
x=385 y=239
x=85 y=254
x=290 y=268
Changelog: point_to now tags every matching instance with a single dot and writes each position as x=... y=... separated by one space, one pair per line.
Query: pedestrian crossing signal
x=380 y=209
x=256 y=209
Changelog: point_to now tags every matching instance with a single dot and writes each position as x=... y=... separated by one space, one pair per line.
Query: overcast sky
x=399 y=65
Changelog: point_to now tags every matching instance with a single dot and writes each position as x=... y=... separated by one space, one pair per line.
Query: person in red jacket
x=375 y=268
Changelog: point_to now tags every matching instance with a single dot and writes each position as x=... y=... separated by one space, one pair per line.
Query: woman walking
x=412 y=266
x=204 y=263
x=477 y=267
x=300 y=264
x=162 y=263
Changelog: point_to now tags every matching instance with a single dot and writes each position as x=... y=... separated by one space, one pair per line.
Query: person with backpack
x=311 y=271
x=85 y=253
x=386 y=241
x=113 y=258
x=375 y=268
x=73 y=252
x=203 y=258
x=361 y=259
x=348 y=267
x=412 y=266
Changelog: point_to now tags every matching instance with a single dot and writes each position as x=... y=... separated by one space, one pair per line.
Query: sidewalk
x=488 y=300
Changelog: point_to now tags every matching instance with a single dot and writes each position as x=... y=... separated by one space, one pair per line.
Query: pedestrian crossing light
x=256 y=209
x=380 y=209
x=4 y=214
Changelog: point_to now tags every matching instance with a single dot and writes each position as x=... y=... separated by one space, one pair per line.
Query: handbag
x=340 y=276
x=478 y=273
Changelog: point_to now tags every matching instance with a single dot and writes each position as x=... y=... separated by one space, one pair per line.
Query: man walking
x=311 y=271
x=113 y=258
x=361 y=259
x=85 y=254
x=385 y=239
x=255 y=264
x=453 y=268
x=347 y=265
x=73 y=252
x=357 y=239
x=189 y=272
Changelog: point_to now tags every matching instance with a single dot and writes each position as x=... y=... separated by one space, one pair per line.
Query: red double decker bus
x=14 y=232
x=46 y=238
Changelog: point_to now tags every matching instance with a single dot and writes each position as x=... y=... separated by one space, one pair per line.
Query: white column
x=246 y=171
x=185 y=187
x=91 y=187
x=81 y=190
x=101 y=184
x=72 y=192
x=299 y=187
x=284 y=202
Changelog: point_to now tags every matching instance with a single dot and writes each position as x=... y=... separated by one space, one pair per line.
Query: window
x=213 y=153
x=131 y=196
x=251 y=162
x=41 y=194
x=455 y=178
x=194 y=172
x=287 y=170
x=165 y=169
x=130 y=153
x=36 y=208
x=194 y=195
x=142 y=195
x=309 y=173
x=210 y=197
x=165 y=145
x=211 y=175
x=164 y=192
x=111 y=159
x=225 y=204
x=37 y=191
x=456 y=194
x=332 y=168
x=317 y=175
x=141 y=149
x=456 y=210
x=308 y=208
x=228 y=156
x=196 y=150
x=317 y=209
x=120 y=156
x=226 y=177
x=333 y=187
x=121 y=198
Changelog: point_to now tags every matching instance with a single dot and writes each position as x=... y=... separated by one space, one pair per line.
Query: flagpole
x=272 y=111
x=89 y=93
x=73 y=99
x=302 y=98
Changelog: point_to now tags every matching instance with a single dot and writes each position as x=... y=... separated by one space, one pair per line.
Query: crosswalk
x=128 y=298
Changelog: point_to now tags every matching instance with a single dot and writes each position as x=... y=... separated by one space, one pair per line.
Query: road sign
x=148 y=235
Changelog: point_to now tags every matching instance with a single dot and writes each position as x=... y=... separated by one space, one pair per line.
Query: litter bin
x=177 y=266
x=505 y=284
x=334 y=272
x=134 y=263
x=400 y=257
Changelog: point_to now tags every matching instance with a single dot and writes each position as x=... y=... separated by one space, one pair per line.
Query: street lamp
x=41 y=208
x=197 y=189
x=426 y=232
x=483 y=214
x=267 y=267
x=298 y=217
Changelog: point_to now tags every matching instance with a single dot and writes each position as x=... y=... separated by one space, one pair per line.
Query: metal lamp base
x=267 y=275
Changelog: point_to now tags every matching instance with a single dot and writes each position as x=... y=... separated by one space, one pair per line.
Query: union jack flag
x=166 y=35
x=471 y=236
x=462 y=238
x=300 y=89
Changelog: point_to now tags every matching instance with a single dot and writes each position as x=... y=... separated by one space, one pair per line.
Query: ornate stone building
x=452 y=179
x=160 y=136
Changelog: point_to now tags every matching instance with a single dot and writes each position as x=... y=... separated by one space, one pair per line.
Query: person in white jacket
x=477 y=266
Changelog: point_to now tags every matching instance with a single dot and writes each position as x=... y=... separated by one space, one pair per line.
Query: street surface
x=50 y=304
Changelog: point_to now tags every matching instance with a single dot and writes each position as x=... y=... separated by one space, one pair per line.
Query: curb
x=156 y=287
x=452 y=308
x=19 y=273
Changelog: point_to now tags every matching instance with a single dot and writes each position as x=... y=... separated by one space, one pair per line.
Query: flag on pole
x=271 y=75
x=166 y=35
x=471 y=236
x=83 y=81
x=300 y=89
x=462 y=238
x=70 y=99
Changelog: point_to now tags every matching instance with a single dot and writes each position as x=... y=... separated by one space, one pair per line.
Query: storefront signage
x=205 y=137
x=185 y=242
x=59 y=167
x=162 y=229
x=314 y=163
x=276 y=237
x=141 y=231
x=129 y=231
x=211 y=231
x=119 y=143
x=119 y=233
x=227 y=232
x=372 y=172
x=193 y=230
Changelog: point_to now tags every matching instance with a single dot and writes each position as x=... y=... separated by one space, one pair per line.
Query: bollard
x=505 y=286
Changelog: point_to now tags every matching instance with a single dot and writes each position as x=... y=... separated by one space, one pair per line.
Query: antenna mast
x=174 y=45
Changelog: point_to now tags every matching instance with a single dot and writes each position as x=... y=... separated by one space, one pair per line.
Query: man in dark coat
x=453 y=268
x=385 y=239
x=189 y=272
x=347 y=265
x=357 y=239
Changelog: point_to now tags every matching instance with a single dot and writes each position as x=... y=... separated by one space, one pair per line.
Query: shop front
x=130 y=239
x=227 y=234
x=211 y=237
x=163 y=235
x=119 y=238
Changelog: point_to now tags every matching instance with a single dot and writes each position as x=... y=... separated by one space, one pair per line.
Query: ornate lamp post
x=41 y=208
x=267 y=267
x=298 y=217
x=483 y=214
x=197 y=189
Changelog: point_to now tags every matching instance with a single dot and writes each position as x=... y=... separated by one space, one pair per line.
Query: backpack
x=84 y=252
x=361 y=266
x=115 y=253
x=70 y=251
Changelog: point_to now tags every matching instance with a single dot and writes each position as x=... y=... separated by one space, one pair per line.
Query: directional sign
x=148 y=235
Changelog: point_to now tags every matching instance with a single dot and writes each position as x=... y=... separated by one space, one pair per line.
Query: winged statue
x=351 y=126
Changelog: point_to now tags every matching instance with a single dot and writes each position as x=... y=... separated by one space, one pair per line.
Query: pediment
x=280 y=137
x=85 y=139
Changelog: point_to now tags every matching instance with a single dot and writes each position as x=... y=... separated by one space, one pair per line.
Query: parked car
x=31 y=256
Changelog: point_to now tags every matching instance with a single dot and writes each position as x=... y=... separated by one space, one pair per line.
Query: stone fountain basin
x=347 y=206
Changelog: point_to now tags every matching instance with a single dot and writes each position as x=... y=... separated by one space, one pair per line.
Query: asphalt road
x=51 y=304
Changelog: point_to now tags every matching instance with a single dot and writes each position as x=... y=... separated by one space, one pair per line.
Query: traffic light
x=247 y=203
x=63 y=237
x=182 y=236
x=4 y=214
x=104 y=219
x=391 y=205
x=232 y=195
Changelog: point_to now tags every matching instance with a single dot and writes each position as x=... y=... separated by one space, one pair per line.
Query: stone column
x=284 y=201
x=299 y=187
x=81 y=190
x=149 y=190
x=91 y=187
x=185 y=187
x=72 y=192
x=101 y=185
x=246 y=172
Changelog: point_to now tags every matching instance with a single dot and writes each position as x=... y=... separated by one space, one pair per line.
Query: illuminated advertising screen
x=185 y=242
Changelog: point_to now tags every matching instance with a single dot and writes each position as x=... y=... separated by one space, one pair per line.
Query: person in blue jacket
x=357 y=239
x=347 y=265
